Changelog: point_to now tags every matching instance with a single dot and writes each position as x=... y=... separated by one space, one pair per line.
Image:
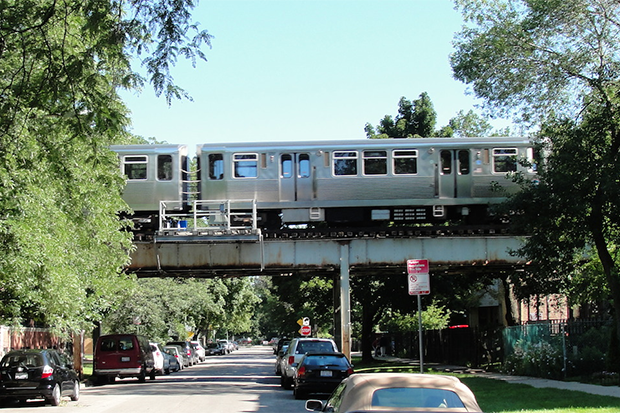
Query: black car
x=36 y=374
x=320 y=373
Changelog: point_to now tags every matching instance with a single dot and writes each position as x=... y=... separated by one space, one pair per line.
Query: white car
x=296 y=350
x=200 y=350
x=158 y=358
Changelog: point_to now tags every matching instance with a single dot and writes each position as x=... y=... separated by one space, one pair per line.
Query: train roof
x=364 y=143
x=149 y=148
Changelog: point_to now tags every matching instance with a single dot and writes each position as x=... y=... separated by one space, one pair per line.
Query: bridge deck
x=206 y=257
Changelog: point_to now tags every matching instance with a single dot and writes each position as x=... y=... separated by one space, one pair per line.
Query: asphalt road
x=240 y=382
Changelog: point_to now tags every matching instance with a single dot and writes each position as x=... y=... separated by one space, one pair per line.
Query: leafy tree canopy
x=62 y=63
x=556 y=63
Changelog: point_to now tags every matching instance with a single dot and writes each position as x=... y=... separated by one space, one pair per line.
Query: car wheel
x=55 y=398
x=75 y=396
x=152 y=375
x=142 y=376
x=286 y=383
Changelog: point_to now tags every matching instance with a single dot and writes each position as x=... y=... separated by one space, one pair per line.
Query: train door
x=454 y=173
x=295 y=177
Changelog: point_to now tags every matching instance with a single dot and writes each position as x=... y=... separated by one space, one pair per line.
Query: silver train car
x=154 y=173
x=365 y=182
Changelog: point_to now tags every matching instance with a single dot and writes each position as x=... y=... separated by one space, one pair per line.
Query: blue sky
x=305 y=70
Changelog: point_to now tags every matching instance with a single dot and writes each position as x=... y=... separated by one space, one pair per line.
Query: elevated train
x=340 y=182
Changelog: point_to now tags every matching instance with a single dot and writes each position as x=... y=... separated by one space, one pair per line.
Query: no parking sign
x=418 y=278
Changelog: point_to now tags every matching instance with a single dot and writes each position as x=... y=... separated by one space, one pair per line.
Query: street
x=242 y=381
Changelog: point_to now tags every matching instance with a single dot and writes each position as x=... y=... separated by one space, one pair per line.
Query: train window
x=135 y=167
x=304 y=165
x=375 y=162
x=405 y=162
x=504 y=159
x=345 y=163
x=286 y=165
x=216 y=166
x=446 y=162
x=464 y=164
x=245 y=165
x=164 y=167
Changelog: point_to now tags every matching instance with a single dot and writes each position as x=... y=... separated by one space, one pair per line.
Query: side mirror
x=314 y=405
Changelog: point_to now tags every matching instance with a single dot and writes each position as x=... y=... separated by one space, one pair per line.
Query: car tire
x=286 y=383
x=55 y=397
x=142 y=376
x=75 y=396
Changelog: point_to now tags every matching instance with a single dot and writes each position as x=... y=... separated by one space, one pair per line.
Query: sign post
x=419 y=284
x=305 y=329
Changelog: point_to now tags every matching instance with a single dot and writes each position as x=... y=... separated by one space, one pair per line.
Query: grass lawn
x=497 y=396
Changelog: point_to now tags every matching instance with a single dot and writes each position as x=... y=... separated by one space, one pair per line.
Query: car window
x=314 y=346
x=325 y=361
x=17 y=359
x=125 y=344
x=335 y=400
x=415 y=397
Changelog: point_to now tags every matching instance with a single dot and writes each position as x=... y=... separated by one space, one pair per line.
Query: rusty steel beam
x=209 y=258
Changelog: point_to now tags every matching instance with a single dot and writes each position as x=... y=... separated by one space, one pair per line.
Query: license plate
x=21 y=376
x=326 y=373
x=125 y=358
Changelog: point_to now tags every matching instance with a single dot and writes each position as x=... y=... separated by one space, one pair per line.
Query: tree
x=414 y=119
x=556 y=63
x=61 y=248
x=473 y=125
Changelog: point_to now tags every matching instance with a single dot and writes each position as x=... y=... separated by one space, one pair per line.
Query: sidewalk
x=613 y=391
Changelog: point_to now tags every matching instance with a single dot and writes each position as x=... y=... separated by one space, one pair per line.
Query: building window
x=135 y=167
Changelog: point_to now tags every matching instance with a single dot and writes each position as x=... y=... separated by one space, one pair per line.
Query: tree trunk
x=367 y=333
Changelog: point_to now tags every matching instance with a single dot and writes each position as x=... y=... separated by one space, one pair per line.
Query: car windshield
x=325 y=361
x=28 y=360
x=415 y=397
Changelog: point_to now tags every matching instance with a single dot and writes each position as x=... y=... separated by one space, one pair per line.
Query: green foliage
x=434 y=317
x=540 y=359
x=414 y=119
x=555 y=64
x=62 y=250
x=166 y=308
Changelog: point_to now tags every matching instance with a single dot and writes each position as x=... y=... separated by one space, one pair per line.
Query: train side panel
x=154 y=173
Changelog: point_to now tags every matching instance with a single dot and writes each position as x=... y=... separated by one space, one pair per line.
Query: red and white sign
x=418 y=279
x=305 y=330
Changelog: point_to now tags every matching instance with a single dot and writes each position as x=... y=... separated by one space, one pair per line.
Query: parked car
x=188 y=349
x=123 y=355
x=320 y=373
x=173 y=358
x=295 y=351
x=31 y=374
x=216 y=349
x=228 y=346
x=179 y=354
x=200 y=351
x=281 y=352
x=160 y=363
x=402 y=392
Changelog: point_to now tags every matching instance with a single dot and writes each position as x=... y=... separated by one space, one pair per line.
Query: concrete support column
x=345 y=301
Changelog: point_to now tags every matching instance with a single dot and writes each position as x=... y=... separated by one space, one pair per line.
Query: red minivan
x=122 y=355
